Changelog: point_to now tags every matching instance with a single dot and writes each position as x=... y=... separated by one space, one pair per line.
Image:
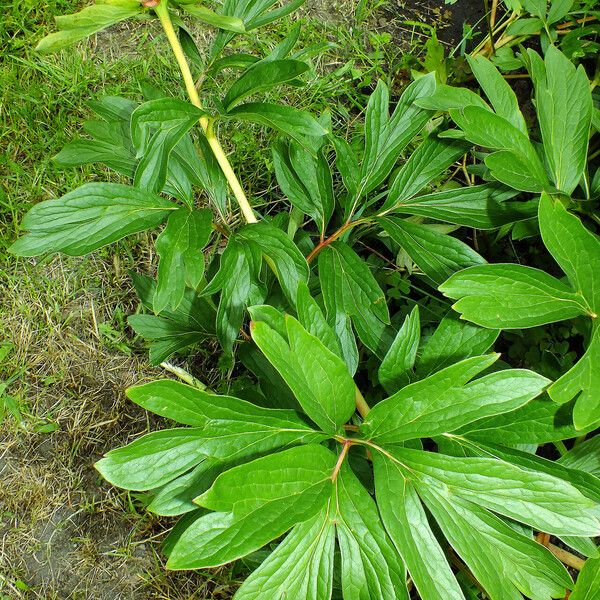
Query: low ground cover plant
x=373 y=427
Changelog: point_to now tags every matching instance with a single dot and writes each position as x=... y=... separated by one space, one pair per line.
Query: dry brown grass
x=64 y=532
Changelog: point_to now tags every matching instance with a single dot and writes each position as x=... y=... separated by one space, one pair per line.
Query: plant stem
x=334 y=236
x=162 y=12
x=361 y=404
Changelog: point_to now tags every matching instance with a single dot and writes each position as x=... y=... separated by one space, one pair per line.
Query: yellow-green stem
x=361 y=404
x=163 y=14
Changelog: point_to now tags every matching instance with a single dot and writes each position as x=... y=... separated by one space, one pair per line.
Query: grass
x=64 y=532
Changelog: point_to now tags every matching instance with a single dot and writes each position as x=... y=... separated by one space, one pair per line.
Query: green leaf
x=281 y=254
x=348 y=285
x=224 y=428
x=583 y=382
x=446 y=97
x=452 y=341
x=86 y=22
x=588 y=581
x=505 y=296
x=262 y=76
x=506 y=562
x=431 y=158
x=312 y=319
x=436 y=254
x=443 y=402
x=154 y=459
x=176 y=497
x=258 y=502
x=298 y=124
x=161 y=113
x=92 y=216
x=385 y=136
x=574 y=247
x=180 y=247
x=157 y=127
x=371 y=568
x=238 y=281
x=479 y=206
x=319 y=379
x=538 y=422
x=498 y=91
x=173 y=331
x=300 y=567
x=85 y=152
x=306 y=180
x=563 y=101
x=398 y=362
x=406 y=523
x=584 y=456
x=212 y=18
x=542 y=501
x=526 y=26
x=484 y=128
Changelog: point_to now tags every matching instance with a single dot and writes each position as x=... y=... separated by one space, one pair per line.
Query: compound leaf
x=406 y=523
x=180 y=247
x=319 y=379
x=371 y=568
x=508 y=296
x=443 y=402
x=257 y=502
x=92 y=216
x=300 y=567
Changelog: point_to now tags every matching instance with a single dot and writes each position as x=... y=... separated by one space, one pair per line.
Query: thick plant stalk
x=206 y=124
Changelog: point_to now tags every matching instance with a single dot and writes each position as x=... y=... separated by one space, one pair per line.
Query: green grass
x=64 y=531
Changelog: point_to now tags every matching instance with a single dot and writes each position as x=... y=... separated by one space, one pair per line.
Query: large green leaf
x=238 y=281
x=180 y=247
x=319 y=379
x=257 y=502
x=431 y=158
x=574 y=247
x=518 y=165
x=406 y=523
x=584 y=456
x=86 y=22
x=386 y=136
x=563 y=101
x=262 y=76
x=543 y=501
x=452 y=341
x=348 y=285
x=506 y=296
x=224 y=428
x=312 y=319
x=298 y=124
x=301 y=567
x=306 y=180
x=538 y=422
x=505 y=561
x=499 y=93
x=398 y=362
x=479 y=206
x=92 y=216
x=443 y=402
x=281 y=254
x=371 y=568
x=437 y=255
x=588 y=581
x=176 y=497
